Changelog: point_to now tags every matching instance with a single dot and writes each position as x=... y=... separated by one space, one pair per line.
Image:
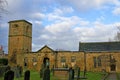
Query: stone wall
x=82 y=60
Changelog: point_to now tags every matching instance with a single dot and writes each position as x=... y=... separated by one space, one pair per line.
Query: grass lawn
x=35 y=76
x=118 y=76
x=94 y=75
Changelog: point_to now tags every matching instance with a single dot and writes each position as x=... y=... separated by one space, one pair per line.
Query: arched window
x=73 y=58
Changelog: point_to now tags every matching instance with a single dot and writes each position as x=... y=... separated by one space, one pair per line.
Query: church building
x=91 y=56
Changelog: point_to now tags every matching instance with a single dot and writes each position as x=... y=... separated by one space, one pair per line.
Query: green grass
x=118 y=76
x=94 y=75
x=35 y=76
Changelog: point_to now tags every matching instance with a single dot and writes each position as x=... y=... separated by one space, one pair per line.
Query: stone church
x=91 y=56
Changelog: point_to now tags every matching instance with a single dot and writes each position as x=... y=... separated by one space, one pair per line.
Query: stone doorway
x=113 y=67
x=46 y=62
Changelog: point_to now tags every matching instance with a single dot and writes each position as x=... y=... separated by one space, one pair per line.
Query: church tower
x=20 y=39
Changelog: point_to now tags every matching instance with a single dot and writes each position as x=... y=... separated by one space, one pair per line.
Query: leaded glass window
x=63 y=59
x=73 y=58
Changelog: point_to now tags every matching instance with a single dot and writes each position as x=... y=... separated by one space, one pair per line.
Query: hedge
x=3 y=61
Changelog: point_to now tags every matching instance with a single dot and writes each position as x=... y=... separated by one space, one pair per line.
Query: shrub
x=3 y=61
x=3 y=69
x=9 y=75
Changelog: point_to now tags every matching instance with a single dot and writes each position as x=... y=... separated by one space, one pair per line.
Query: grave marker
x=27 y=75
x=9 y=75
x=46 y=75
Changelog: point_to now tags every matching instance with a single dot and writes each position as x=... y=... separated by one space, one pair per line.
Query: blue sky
x=62 y=24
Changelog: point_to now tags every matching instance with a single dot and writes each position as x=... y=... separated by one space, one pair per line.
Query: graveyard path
x=112 y=76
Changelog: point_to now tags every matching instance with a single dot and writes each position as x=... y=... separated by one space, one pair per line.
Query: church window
x=73 y=58
x=95 y=62
x=99 y=61
x=63 y=59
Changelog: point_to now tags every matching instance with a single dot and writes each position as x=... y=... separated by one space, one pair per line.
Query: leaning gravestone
x=9 y=75
x=46 y=75
x=17 y=72
x=20 y=70
x=71 y=74
x=78 y=73
x=27 y=75
x=41 y=73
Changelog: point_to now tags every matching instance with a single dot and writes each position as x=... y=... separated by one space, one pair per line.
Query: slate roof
x=99 y=46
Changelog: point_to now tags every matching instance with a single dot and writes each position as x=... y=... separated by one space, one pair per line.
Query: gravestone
x=41 y=73
x=71 y=74
x=9 y=75
x=17 y=72
x=27 y=75
x=20 y=70
x=7 y=68
x=78 y=73
x=61 y=73
x=46 y=75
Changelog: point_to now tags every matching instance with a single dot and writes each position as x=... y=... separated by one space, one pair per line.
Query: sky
x=62 y=24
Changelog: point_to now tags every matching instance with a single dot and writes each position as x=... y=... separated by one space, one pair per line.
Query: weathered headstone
x=78 y=73
x=71 y=74
x=17 y=72
x=7 y=68
x=20 y=70
x=27 y=75
x=41 y=73
x=9 y=75
x=46 y=75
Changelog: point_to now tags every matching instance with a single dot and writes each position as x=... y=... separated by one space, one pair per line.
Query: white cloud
x=38 y=15
x=99 y=32
x=38 y=22
x=62 y=10
x=81 y=4
x=44 y=36
x=101 y=18
x=4 y=25
x=58 y=27
x=68 y=31
x=14 y=4
x=90 y=4
x=116 y=11
x=58 y=13
x=36 y=47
